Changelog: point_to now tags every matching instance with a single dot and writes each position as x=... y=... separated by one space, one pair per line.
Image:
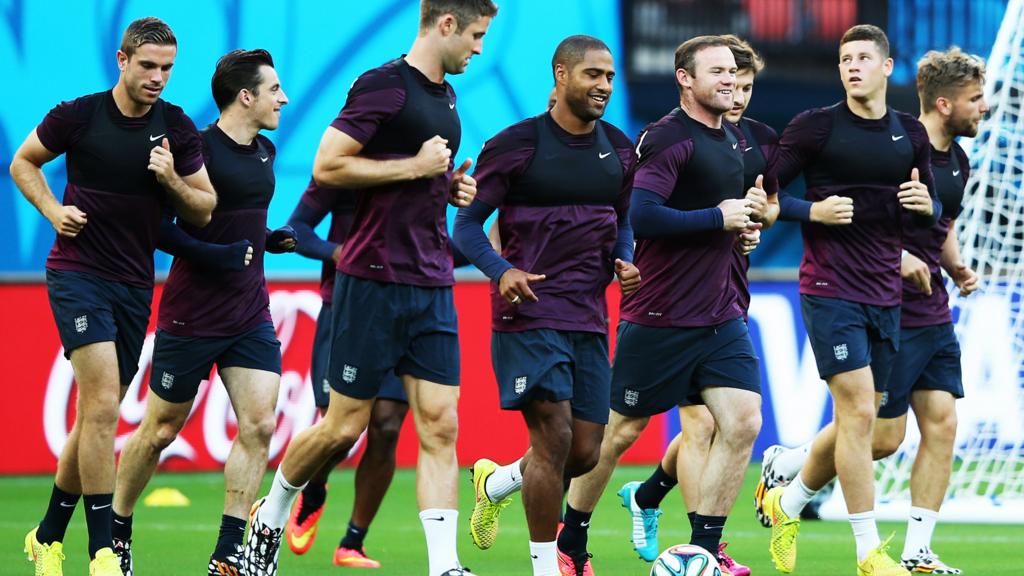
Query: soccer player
x=850 y=280
x=682 y=336
x=126 y=151
x=393 y=309
x=926 y=374
x=377 y=464
x=687 y=453
x=561 y=182
x=221 y=319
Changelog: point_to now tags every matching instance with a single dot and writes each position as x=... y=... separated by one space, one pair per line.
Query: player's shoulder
x=822 y=115
x=667 y=131
x=910 y=122
x=522 y=134
x=176 y=117
x=81 y=108
x=763 y=133
x=384 y=77
x=616 y=137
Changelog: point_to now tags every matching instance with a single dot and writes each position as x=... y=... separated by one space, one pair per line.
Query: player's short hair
x=465 y=11
x=746 y=57
x=148 y=30
x=941 y=73
x=237 y=70
x=573 y=50
x=686 y=53
x=867 y=32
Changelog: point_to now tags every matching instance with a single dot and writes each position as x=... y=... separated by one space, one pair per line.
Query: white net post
x=987 y=484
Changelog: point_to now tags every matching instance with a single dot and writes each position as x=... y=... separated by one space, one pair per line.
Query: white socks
x=789 y=462
x=795 y=496
x=278 y=503
x=440 y=526
x=920 y=526
x=545 y=559
x=865 y=531
x=504 y=481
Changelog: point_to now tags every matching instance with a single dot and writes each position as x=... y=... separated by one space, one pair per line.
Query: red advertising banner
x=40 y=391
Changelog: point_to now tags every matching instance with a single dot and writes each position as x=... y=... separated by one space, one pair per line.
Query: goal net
x=987 y=484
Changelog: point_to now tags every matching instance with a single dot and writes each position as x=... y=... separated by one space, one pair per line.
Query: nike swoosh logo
x=897 y=138
x=451 y=105
x=584 y=524
x=917 y=519
x=264 y=159
x=748 y=149
x=438 y=519
x=534 y=556
x=95 y=507
x=157 y=137
x=607 y=154
x=116 y=521
x=66 y=505
x=706 y=527
x=734 y=146
x=663 y=485
x=300 y=540
x=956 y=173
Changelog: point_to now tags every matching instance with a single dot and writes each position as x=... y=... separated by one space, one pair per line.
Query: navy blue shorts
x=554 y=365
x=381 y=328
x=929 y=359
x=89 y=309
x=180 y=363
x=847 y=336
x=659 y=368
x=390 y=389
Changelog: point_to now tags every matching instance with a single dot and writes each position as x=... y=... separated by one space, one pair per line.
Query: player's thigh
x=935 y=410
x=320 y=357
x=95 y=367
x=253 y=395
x=181 y=363
x=652 y=369
x=432 y=350
x=434 y=406
x=838 y=332
x=131 y=316
x=884 y=342
x=591 y=379
x=853 y=393
x=164 y=418
x=369 y=334
x=908 y=365
x=696 y=422
x=532 y=368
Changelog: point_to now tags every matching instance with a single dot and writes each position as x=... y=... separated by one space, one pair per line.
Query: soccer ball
x=686 y=560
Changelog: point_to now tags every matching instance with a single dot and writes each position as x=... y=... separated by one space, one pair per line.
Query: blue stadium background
x=54 y=51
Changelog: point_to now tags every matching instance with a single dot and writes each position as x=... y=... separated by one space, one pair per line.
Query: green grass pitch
x=175 y=541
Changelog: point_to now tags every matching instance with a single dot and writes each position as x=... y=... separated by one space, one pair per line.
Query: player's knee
x=625 y=434
x=699 y=431
x=741 y=428
x=100 y=415
x=939 y=427
x=438 y=427
x=582 y=460
x=886 y=445
x=162 y=435
x=384 y=431
x=258 y=429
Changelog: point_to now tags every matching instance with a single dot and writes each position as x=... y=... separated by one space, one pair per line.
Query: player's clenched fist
x=433 y=157
x=758 y=199
x=463 y=186
x=913 y=269
x=914 y=195
x=735 y=214
x=629 y=276
x=833 y=211
x=749 y=238
x=161 y=162
x=68 y=221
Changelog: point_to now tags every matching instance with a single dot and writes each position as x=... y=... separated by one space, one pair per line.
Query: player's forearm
x=650 y=218
x=357 y=172
x=624 y=241
x=795 y=209
x=468 y=235
x=950 y=259
x=31 y=181
x=193 y=204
